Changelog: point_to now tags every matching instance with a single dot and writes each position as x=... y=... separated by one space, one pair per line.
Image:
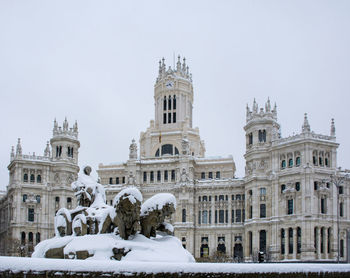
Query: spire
x=55 y=126
x=19 y=148
x=47 y=149
x=248 y=111
x=160 y=67
x=75 y=127
x=178 y=64
x=255 y=107
x=306 y=125
x=268 y=105
x=12 y=153
x=163 y=65
x=184 y=65
x=65 y=124
x=332 y=128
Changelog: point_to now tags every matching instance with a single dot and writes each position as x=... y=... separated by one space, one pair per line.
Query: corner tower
x=173 y=98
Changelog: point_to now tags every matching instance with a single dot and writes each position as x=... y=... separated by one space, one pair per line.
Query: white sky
x=96 y=62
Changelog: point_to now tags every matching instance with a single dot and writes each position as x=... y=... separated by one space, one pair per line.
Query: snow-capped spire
x=268 y=105
x=306 y=125
x=47 y=149
x=178 y=64
x=55 y=126
x=75 y=127
x=332 y=128
x=19 y=148
x=184 y=65
x=12 y=156
x=255 y=107
x=65 y=124
x=248 y=111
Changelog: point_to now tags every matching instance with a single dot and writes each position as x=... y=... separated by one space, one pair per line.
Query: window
x=157 y=152
x=199 y=217
x=216 y=198
x=151 y=176
x=30 y=237
x=221 y=216
x=37 y=238
x=144 y=176
x=341 y=209
x=262 y=211
x=216 y=216
x=298 y=240
x=69 y=202
x=262 y=241
x=262 y=191
x=210 y=175
x=250 y=212
x=169 y=118
x=297 y=161
x=297 y=186
x=32 y=178
x=123 y=179
x=218 y=175
x=290 y=241
x=250 y=138
x=203 y=175
x=233 y=216
x=25 y=177
x=329 y=240
x=183 y=215
x=205 y=198
x=57 y=199
x=204 y=248
x=282 y=241
x=166 y=175
x=174 y=117
x=174 y=102
x=226 y=216
x=221 y=245
x=315 y=185
x=110 y=180
x=221 y=197
x=322 y=240
x=341 y=190
x=320 y=161
x=164 y=118
x=250 y=238
x=173 y=175
x=169 y=103
x=164 y=103
x=209 y=198
x=158 y=176
x=283 y=187
x=226 y=197
x=290 y=206
x=326 y=162
x=205 y=217
x=290 y=162
x=238 y=216
x=24 y=197
x=31 y=214
x=23 y=238
x=315 y=239
x=38 y=178
x=341 y=251
x=323 y=205
x=117 y=180
x=37 y=198
x=238 y=197
x=232 y=197
x=283 y=164
x=199 y=198
x=167 y=149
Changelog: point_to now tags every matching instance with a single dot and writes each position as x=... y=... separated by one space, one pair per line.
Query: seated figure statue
x=153 y=213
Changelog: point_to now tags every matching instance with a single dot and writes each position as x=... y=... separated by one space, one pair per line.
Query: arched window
x=24 y=198
x=290 y=162
x=298 y=240
x=326 y=162
x=283 y=164
x=250 y=138
x=297 y=186
x=110 y=180
x=174 y=102
x=283 y=237
x=183 y=215
x=69 y=202
x=297 y=161
x=37 y=239
x=30 y=237
x=169 y=103
x=290 y=241
x=221 y=245
x=167 y=149
x=204 y=248
x=25 y=177
x=283 y=187
x=205 y=217
x=260 y=136
x=164 y=104
x=38 y=178
x=23 y=238
x=320 y=161
x=37 y=198
x=32 y=178
x=264 y=135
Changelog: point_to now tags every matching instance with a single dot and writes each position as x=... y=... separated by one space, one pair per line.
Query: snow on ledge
x=16 y=264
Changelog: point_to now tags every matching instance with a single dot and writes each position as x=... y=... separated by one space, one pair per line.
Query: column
x=318 y=243
x=295 y=242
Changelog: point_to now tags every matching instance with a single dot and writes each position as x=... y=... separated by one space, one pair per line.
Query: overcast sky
x=96 y=62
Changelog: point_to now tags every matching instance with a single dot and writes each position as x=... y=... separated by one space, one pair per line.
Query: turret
x=64 y=142
x=306 y=126
x=332 y=128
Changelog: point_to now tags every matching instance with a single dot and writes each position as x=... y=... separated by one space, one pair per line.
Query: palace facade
x=286 y=206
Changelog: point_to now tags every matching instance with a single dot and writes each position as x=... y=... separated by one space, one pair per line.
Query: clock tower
x=173 y=97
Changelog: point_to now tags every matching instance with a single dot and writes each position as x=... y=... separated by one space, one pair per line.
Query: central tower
x=172 y=126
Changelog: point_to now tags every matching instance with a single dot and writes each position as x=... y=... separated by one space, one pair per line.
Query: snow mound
x=132 y=193
x=157 y=202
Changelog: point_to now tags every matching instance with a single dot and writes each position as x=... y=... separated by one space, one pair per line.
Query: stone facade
x=286 y=205
x=38 y=187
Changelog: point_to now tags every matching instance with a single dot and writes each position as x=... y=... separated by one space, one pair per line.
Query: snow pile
x=132 y=193
x=157 y=202
x=100 y=247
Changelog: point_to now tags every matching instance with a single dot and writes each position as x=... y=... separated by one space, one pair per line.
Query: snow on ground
x=16 y=264
x=142 y=249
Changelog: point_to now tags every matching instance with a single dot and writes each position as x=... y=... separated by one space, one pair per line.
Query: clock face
x=169 y=84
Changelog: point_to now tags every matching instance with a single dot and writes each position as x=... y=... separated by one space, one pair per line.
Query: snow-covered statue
x=153 y=213
x=127 y=204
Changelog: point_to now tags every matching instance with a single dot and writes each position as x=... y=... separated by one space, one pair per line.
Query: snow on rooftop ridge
x=131 y=193
x=214 y=157
x=157 y=202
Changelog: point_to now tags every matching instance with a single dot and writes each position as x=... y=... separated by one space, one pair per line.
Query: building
x=38 y=187
x=286 y=205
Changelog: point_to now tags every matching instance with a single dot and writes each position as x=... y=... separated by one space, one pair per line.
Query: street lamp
x=338 y=179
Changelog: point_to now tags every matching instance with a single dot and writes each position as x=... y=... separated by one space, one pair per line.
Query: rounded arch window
x=25 y=177
x=167 y=149
x=32 y=178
